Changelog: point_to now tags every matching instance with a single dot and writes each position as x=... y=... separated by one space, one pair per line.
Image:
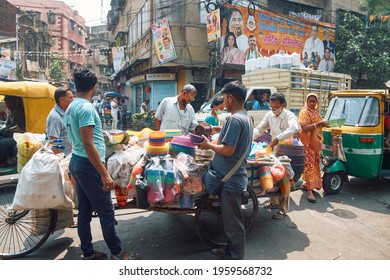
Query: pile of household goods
x=156 y=168
x=270 y=170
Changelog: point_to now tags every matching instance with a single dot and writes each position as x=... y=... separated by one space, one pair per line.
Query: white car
x=257 y=115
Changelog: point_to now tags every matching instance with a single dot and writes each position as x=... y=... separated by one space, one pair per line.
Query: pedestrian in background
x=114 y=113
x=311 y=136
x=93 y=182
x=217 y=107
x=144 y=106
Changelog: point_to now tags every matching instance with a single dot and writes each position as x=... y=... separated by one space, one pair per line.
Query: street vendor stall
x=158 y=173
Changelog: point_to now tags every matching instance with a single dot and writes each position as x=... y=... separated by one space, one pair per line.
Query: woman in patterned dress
x=311 y=136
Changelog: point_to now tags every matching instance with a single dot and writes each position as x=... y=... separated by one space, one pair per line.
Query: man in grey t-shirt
x=233 y=141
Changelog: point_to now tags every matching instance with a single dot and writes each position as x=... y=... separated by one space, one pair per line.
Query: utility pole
x=17 y=45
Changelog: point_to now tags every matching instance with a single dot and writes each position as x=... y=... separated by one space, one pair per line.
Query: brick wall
x=7 y=19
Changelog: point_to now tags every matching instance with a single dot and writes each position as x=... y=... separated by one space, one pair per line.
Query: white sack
x=41 y=184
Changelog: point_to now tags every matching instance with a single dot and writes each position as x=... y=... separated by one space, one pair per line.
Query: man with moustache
x=177 y=112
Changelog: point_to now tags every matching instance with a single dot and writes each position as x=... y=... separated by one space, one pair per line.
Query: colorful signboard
x=163 y=41
x=272 y=33
x=213 y=25
x=118 y=57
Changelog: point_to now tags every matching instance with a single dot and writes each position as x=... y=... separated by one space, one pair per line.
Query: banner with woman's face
x=275 y=32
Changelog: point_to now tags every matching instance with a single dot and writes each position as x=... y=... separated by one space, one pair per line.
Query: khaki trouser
x=282 y=201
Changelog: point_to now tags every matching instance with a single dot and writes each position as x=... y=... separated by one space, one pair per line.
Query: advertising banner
x=7 y=69
x=163 y=41
x=118 y=57
x=213 y=25
x=250 y=34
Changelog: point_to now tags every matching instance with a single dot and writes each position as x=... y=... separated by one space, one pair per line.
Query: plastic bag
x=136 y=173
x=290 y=172
x=190 y=174
x=170 y=195
x=155 y=178
x=277 y=170
x=27 y=145
x=41 y=184
x=69 y=183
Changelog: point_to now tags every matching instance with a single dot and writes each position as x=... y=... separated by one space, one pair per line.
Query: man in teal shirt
x=93 y=182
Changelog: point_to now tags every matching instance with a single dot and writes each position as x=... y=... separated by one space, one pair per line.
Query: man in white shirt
x=252 y=52
x=313 y=44
x=114 y=113
x=326 y=64
x=177 y=112
x=283 y=124
x=144 y=106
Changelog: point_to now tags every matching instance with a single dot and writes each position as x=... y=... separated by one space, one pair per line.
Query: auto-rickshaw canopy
x=38 y=100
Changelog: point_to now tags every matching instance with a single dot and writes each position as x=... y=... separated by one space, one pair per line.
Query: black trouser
x=7 y=148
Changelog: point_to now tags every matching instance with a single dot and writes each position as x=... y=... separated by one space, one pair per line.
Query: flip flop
x=311 y=199
x=271 y=206
x=279 y=215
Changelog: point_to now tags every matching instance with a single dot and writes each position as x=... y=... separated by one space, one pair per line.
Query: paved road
x=352 y=225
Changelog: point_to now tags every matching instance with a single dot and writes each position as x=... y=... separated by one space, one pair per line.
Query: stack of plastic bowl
x=170 y=133
x=157 y=146
x=117 y=136
x=181 y=144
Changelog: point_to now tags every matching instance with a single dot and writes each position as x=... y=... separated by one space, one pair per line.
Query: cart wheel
x=209 y=220
x=332 y=183
x=22 y=232
x=137 y=125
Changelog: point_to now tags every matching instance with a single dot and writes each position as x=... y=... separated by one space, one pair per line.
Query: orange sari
x=312 y=141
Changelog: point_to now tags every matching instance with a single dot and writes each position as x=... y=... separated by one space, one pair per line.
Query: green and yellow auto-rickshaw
x=354 y=143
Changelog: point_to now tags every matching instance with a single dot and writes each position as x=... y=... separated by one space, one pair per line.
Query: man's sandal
x=279 y=215
x=271 y=206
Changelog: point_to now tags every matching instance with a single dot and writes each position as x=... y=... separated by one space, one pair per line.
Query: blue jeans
x=91 y=196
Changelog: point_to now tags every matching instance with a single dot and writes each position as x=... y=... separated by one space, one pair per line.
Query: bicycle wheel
x=208 y=218
x=22 y=232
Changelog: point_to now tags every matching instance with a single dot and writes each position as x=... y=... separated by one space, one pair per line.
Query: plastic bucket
x=297 y=155
x=284 y=185
x=265 y=177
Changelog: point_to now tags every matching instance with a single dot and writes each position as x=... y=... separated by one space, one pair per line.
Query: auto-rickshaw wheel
x=22 y=232
x=332 y=183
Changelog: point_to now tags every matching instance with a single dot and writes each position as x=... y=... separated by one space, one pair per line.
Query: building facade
x=143 y=75
x=98 y=44
x=24 y=43
x=66 y=28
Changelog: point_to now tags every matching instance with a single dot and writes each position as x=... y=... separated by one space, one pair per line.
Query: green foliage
x=56 y=64
x=363 y=51
x=376 y=7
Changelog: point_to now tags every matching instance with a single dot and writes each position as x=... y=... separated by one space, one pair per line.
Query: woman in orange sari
x=311 y=136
